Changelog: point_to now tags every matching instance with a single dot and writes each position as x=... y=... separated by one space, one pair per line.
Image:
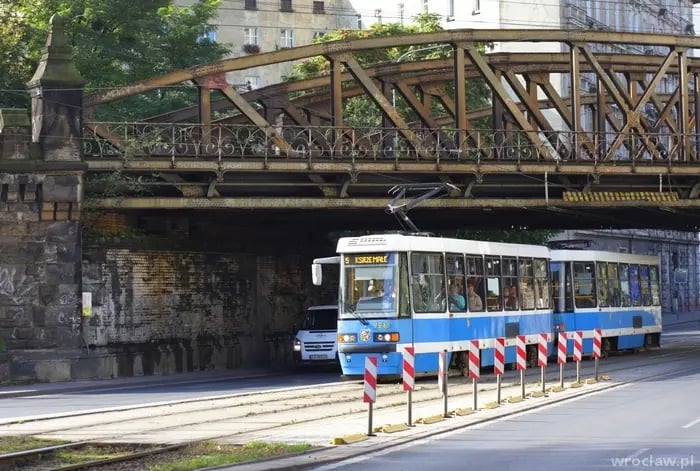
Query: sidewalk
x=672 y=319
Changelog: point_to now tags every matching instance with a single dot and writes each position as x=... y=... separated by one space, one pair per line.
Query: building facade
x=256 y=26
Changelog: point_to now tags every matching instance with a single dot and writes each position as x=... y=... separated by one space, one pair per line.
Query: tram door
x=562 y=296
x=429 y=302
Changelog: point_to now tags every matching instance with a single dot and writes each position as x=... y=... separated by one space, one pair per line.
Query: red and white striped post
x=442 y=377
x=499 y=357
x=521 y=361
x=409 y=379
x=578 y=353
x=597 y=342
x=370 y=390
x=561 y=356
x=542 y=353
x=474 y=366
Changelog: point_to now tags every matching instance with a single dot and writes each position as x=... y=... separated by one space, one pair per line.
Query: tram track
x=35 y=455
x=269 y=413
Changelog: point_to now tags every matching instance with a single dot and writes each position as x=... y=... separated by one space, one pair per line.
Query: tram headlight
x=297 y=345
x=387 y=337
x=347 y=338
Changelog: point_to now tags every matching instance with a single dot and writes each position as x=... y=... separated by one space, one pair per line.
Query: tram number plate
x=318 y=357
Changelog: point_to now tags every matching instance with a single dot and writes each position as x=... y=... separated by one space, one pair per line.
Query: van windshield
x=321 y=319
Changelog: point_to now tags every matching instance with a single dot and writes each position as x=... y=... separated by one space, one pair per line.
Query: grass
x=210 y=454
x=193 y=457
x=22 y=442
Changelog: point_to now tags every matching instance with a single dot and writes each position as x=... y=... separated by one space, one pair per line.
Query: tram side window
x=428 y=282
x=475 y=278
x=625 y=284
x=541 y=284
x=584 y=284
x=510 y=283
x=527 y=290
x=404 y=300
x=615 y=299
x=456 y=291
x=635 y=294
x=654 y=279
x=602 y=281
x=645 y=285
x=493 y=281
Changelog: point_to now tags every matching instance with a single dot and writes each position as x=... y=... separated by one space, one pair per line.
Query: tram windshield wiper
x=348 y=307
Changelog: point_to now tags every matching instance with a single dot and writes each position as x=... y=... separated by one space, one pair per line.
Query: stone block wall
x=169 y=310
x=39 y=272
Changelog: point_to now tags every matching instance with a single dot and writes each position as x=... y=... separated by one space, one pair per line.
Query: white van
x=315 y=342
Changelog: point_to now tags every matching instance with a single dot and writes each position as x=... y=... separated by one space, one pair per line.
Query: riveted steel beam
x=633 y=115
x=683 y=106
x=252 y=114
x=354 y=203
x=442 y=37
x=386 y=107
x=424 y=114
x=502 y=94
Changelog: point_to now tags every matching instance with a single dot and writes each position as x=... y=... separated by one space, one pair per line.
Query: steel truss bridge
x=580 y=136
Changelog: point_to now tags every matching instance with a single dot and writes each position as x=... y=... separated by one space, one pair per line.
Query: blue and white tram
x=616 y=292
x=437 y=294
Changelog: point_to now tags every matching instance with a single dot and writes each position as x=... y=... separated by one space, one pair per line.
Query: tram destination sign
x=367 y=259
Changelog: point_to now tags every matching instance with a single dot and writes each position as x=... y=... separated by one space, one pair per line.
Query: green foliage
x=116 y=42
x=116 y=184
x=363 y=112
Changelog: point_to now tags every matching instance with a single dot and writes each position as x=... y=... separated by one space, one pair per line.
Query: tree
x=362 y=111
x=116 y=42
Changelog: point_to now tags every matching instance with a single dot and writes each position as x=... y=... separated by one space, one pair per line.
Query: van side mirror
x=316 y=274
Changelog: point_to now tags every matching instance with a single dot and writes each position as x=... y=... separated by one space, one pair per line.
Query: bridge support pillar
x=41 y=174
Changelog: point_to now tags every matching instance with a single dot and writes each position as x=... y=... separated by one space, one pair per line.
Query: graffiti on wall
x=15 y=287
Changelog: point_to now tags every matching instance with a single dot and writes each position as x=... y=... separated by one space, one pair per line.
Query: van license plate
x=318 y=357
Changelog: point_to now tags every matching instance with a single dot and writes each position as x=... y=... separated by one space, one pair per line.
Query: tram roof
x=602 y=256
x=418 y=243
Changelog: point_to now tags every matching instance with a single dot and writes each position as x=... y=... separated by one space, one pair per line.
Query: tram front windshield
x=369 y=288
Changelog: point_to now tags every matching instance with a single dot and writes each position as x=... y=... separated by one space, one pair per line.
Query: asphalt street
x=653 y=424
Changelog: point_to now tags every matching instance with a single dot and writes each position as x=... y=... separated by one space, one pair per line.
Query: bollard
x=474 y=368
x=578 y=353
x=442 y=378
x=499 y=356
x=521 y=362
x=409 y=375
x=370 y=390
x=561 y=356
x=542 y=353
x=597 y=342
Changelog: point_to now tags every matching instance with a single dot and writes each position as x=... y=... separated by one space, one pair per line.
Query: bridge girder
x=295 y=134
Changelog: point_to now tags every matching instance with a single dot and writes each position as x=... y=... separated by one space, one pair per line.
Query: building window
x=286 y=5
x=319 y=7
x=251 y=4
x=251 y=36
x=209 y=36
x=252 y=82
x=287 y=38
x=477 y=7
